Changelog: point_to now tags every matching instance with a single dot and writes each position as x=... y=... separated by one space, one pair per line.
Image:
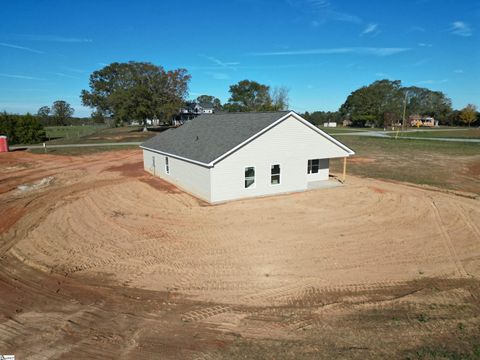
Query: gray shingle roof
x=207 y=137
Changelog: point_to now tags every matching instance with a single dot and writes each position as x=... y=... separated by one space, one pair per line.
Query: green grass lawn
x=450 y=165
x=472 y=133
x=106 y=135
x=338 y=130
x=71 y=132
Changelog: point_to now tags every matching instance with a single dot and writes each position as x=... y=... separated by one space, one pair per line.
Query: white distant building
x=330 y=124
x=230 y=156
x=191 y=110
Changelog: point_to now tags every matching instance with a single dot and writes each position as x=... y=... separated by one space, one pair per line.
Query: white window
x=249 y=177
x=167 y=167
x=313 y=166
x=275 y=174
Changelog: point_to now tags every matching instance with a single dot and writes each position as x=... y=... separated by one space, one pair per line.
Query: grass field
x=71 y=132
x=449 y=165
x=105 y=135
x=472 y=133
x=339 y=130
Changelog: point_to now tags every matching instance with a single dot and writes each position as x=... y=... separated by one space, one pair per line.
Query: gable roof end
x=208 y=139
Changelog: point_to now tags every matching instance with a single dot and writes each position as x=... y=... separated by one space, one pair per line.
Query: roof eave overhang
x=176 y=157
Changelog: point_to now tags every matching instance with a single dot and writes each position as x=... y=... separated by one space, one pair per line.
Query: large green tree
x=372 y=102
x=61 y=112
x=383 y=102
x=217 y=104
x=136 y=91
x=43 y=112
x=249 y=95
x=424 y=101
x=43 y=115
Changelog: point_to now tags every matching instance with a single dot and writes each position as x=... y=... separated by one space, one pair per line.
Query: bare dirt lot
x=100 y=260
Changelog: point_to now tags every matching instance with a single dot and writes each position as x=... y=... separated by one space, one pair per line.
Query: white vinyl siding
x=190 y=177
x=291 y=144
x=275 y=162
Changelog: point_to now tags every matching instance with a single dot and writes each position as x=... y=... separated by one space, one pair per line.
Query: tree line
x=387 y=102
x=140 y=91
x=124 y=92
x=21 y=129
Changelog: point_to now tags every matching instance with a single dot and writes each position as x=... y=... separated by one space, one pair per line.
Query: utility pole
x=404 y=110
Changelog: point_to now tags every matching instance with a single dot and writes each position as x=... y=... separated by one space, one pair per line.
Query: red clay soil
x=106 y=261
x=474 y=168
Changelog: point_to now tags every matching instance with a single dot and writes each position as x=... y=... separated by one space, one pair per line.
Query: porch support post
x=344 y=169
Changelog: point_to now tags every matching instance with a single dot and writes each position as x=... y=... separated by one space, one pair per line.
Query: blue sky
x=320 y=49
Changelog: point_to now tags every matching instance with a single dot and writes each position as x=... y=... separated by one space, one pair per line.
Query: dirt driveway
x=101 y=260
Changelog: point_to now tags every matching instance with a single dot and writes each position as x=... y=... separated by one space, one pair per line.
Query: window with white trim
x=167 y=166
x=313 y=166
x=249 y=177
x=275 y=174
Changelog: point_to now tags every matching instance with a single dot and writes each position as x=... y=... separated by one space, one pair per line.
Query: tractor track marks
x=170 y=277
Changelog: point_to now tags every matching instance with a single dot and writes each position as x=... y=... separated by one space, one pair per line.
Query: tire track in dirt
x=280 y=268
x=448 y=242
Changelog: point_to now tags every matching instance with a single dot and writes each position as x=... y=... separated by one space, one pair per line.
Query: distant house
x=417 y=120
x=206 y=107
x=229 y=156
x=191 y=110
x=150 y=122
x=347 y=122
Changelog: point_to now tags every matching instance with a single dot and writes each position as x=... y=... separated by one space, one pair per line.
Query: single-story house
x=229 y=156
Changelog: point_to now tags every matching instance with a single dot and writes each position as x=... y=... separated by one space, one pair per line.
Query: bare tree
x=280 y=98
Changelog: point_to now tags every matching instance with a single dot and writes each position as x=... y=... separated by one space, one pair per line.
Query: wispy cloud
x=458 y=71
x=382 y=75
x=13 y=46
x=218 y=75
x=323 y=10
x=432 y=82
x=220 y=63
x=66 y=75
x=219 y=69
x=371 y=29
x=461 y=29
x=420 y=62
x=23 y=77
x=75 y=70
x=424 y=45
x=52 y=38
x=376 y=51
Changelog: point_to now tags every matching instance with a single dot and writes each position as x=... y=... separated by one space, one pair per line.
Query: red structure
x=3 y=143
